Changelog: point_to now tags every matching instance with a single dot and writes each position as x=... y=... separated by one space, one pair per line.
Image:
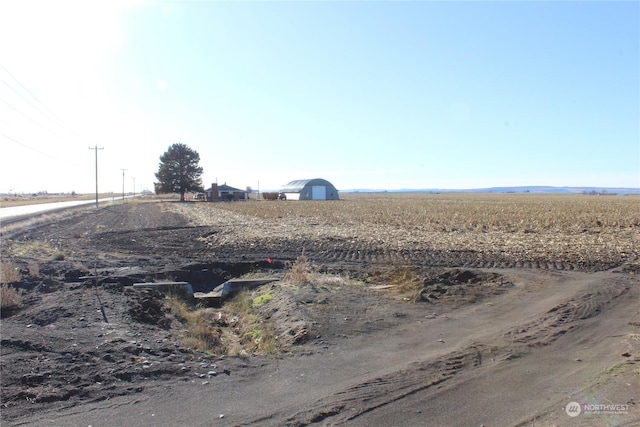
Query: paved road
x=26 y=210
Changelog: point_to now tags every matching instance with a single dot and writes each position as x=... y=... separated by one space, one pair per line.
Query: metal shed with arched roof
x=310 y=189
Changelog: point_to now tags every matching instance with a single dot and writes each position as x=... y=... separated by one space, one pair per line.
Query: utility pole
x=134 y=187
x=123 y=183
x=96 y=150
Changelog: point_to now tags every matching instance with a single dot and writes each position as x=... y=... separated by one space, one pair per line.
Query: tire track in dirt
x=335 y=254
x=353 y=401
x=565 y=316
x=346 y=405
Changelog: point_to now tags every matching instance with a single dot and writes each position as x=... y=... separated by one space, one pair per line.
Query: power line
x=21 y=95
x=10 y=125
x=32 y=95
x=27 y=90
x=43 y=109
x=52 y=115
x=37 y=151
x=31 y=148
x=29 y=118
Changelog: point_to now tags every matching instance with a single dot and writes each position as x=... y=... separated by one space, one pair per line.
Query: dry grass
x=299 y=271
x=573 y=228
x=34 y=249
x=236 y=329
x=12 y=201
x=10 y=299
x=255 y=335
x=34 y=268
x=201 y=334
x=9 y=272
x=403 y=282
x=328 y=281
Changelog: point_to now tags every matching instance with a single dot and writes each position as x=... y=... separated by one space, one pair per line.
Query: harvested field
x=405 y=310
x=534 y=231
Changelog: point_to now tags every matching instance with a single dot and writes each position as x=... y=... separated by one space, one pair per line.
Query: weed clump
x=262 y=299
x=200 y=333
x=404 y=282
x=255 y=334
x=9 y=272
x=10 y=300
x=299 y=273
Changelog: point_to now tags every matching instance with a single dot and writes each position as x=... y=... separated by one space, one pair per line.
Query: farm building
x=224 y=192
x=310 y=189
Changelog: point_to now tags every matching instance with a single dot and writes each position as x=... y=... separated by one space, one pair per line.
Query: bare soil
x=380 y=337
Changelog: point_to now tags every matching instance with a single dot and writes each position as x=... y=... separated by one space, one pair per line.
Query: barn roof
x=298 y=185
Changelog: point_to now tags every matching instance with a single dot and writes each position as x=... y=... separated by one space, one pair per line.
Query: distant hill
x=535 y=189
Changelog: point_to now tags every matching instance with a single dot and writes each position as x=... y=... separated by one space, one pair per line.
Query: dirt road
x=508 y=346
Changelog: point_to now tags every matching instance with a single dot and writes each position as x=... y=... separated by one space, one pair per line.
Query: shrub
x=10 y=300
x=34 y=269
x=9 y=272
x=299 y=272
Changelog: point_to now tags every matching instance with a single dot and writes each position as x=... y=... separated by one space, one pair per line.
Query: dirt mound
x=58 y=348
x=463 y=286
x=438 y=285
x=147 y=306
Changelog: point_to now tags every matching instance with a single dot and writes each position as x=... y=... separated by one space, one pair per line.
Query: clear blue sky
x=364 y=94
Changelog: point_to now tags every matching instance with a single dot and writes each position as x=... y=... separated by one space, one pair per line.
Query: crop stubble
x=474 y=230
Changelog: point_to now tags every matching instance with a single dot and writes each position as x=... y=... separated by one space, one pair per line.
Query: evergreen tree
x=179 y=171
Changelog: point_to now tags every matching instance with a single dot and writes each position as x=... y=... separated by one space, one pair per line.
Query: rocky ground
x=377 y=336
